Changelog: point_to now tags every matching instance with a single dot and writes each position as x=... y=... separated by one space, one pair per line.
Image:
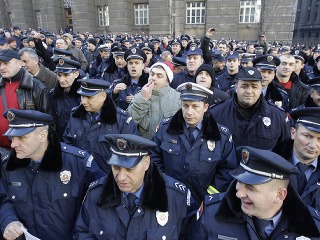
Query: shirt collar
x=313 y=164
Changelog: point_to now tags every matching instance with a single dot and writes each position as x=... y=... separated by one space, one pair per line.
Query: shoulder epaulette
x=96 y=183
x=176 y=185
x=166 y=120
x=213 y=198
x=73 y=150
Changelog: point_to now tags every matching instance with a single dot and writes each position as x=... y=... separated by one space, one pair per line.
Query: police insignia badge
x=10 y=116
x=133 y=50
x=211 y=145
x=89 y=162
x=269 y=58
x=266 y=121
x=189 y=86
x=162 y=217
x=61 y=62
x=251 y=72
x=245 y=156
x=193 y=48
x=231 y=52
x=121 y=144
x=278 y=103
x=230 y=138
x=65 y=176
x=296 y=52
x=146 y=44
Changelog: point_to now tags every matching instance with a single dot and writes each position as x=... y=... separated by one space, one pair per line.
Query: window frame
x=196 y=13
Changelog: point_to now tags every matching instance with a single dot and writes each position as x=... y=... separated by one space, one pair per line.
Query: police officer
x=43 y=181
x=313 y=100
x=63 y=97
x=227 y=79
x=192 y=147
x=251 y=119
x=97 y=114
x=303 y=151
x=259 y=204
x=194 y=61
x=299 y=69
x=267 y=65
x=136 y=201
x=125 y=88
x=116 y=67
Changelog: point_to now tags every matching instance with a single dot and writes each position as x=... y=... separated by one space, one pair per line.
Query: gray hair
x=32 y=53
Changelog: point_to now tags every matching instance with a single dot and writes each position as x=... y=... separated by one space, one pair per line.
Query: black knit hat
x=209 y=69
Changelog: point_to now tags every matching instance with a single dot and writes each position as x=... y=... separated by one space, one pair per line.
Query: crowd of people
x=140 y=137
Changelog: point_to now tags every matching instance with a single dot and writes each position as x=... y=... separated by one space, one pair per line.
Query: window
x=250 y=11
x=103 y=16
x=196 y=13
x=141 y=14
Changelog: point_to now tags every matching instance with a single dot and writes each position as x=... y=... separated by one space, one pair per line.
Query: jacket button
x=209 y=159
x=139 y=211
x=74 y=136
x=101 y=232
x=13 y=197
x=164 y=237
x=65 y=194
x=170 y=150
x=64 y=147
x=286 y=236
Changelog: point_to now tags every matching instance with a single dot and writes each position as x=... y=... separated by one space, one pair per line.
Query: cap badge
x=245 y=156
x=121 y=144
x=65 y=176
x=266 y=121
x=251 y=72
x=211 y=145
x=61 y=62
x=133 y=50
x=231 y=52
x=146 y=44
x=269 y=58
x=193 y=48
x=296 y=52
x=10 y=116
x=189 y=86
x=162 y=217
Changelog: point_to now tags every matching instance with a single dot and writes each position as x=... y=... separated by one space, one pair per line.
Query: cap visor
x=122 y=161
x=248 y=178
x=63 y=70
x=18 y=132
x=250 y=79
x=192 y=98
x=5 y=59
x=86 y=93
x=266 y=67
x=311 y=127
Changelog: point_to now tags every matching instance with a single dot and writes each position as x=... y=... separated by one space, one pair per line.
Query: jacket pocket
x=170 y=148
x=65 y=192
x=267 y=134
x=102 y=229
x=18 y=193
x=165 y=233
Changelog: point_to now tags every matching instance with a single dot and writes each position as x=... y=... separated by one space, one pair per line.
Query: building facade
x=307 y=24
x=236 y=19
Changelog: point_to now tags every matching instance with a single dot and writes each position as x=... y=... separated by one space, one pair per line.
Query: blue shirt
x=197 y=130
x=137 y=193
x=312 y=166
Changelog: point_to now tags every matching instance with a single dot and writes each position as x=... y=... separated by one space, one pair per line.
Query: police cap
x=135 y=53
x=249 y=74
x=3 y=40
x=185 y=37
x=147 y=46
x=298 y=54
x=104 y=47
x=218 y=56
x=176 y=42
x=66 y=65
x=22 y=122
x=127 y=149
x=232 y=55
x=156 y=40
x=258 y=166
x=190 y=91
x=309 y=117
x=58 y=52
x=179 y=61
x=193 y=50
x=118 y=49
x=91 y=87
x=8 y=54
x=315 y=83
x=267 y=62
